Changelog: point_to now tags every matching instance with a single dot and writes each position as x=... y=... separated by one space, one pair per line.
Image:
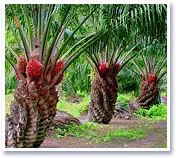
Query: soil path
x=155 y=136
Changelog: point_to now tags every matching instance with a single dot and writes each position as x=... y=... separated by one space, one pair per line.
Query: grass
x=73 y=108
x=130 y=134
x=156 y=112
x=126 y=97
x=123 y=100
x=164 y=145
x=8 y=99
x=92 y=132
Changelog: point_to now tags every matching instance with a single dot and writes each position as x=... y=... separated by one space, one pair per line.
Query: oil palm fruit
x=151 y=78
x=34 y=68
x=21 y=63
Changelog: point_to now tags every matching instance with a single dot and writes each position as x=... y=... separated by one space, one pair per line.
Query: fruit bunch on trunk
x=39 y=69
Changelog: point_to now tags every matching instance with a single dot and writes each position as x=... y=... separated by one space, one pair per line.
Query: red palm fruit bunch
x=103 y=68
x=151 y=78
x=117 y=67
x=34 y=68
x=59 y=66
x=113 y=70
x=21 y=63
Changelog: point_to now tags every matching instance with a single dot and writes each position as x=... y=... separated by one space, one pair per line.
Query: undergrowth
x=122 y=97
x=123 y=100
x=92 y=132
x=156 y=112
x=73 y=108
x=8 y=99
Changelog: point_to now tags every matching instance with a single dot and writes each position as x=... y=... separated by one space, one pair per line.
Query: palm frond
x=13 y=52
x=29 y=27
x=22 y=35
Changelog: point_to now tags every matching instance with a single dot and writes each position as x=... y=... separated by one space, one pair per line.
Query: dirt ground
x=155 y=136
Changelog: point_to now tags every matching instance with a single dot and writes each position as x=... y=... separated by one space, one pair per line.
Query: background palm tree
x=130 y=25
x=152 y=68
x=43 y=56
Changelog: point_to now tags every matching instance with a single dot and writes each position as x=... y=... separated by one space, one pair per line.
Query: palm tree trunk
x=103 y=98
x=31 y=114
x=149 y=92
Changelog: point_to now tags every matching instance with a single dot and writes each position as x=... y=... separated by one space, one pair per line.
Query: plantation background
x=78 y=77
x=76 y=85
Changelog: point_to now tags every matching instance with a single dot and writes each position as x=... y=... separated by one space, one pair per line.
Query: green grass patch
x=164 y=145
x=8 y=99
x=73 y=108
x=164 y=94
x=130 y=134
x=93 y=132
x=123 y=100
x=122 y=97
x=86 y=130
x=156 y=112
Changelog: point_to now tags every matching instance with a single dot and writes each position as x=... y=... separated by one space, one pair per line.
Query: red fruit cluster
x=151 y=78
x=34 y=68
x=21 y=64
x=117 y=66
x=59 y=66
x=103 y=68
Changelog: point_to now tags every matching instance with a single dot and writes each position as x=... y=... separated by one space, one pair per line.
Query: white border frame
x=86 y=149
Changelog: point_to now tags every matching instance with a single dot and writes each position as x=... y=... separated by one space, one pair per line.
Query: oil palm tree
x=39 y=65
x=152 y=69
x=130 y=24
x=106 y=64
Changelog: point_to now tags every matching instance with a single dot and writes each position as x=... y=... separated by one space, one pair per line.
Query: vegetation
x=122 y=97
x=108 y=56
x=76 y=109
x=96 y=54
x=91 y=131
x=126 y=83
x=156 y=112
